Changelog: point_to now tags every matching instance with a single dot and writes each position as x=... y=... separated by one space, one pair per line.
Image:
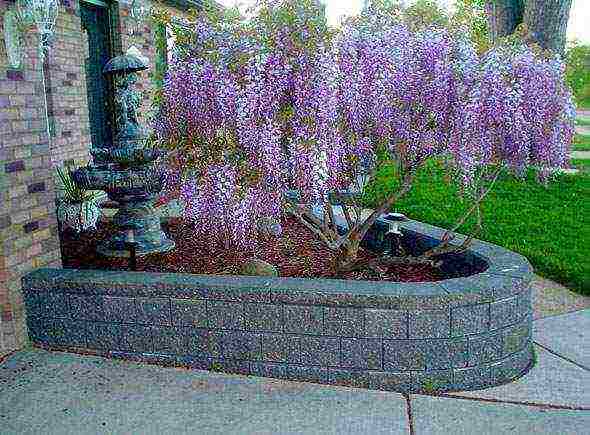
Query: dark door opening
x=95 y=22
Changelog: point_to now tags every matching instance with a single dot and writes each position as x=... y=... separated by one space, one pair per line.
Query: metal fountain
x=128 y=170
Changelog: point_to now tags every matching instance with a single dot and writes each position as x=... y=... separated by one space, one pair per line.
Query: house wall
x=28 y=226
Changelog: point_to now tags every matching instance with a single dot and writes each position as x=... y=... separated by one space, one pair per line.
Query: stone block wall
x=459 y=334
x=28 y=227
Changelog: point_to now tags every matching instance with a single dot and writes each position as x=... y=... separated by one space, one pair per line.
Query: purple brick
x=14 y=74
x=71 y=76
x=19 y=165
x=70 y=112
x=67 y=134
x=36 y=187
x=31 y=226
x=4 y=101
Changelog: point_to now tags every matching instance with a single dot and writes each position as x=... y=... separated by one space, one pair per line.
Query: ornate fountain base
x=147 y=232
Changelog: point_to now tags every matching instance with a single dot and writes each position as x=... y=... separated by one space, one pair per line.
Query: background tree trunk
x=546 y=20
x=503 y=17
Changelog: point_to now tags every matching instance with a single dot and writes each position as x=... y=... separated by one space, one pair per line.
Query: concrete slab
x=59 y=393
x=439 y=415
x=549 y=382
x=567 y=335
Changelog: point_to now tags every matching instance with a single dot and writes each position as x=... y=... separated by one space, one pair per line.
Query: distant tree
x=545 y=21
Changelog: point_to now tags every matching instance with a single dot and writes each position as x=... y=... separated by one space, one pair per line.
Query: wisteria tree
x=281 y=114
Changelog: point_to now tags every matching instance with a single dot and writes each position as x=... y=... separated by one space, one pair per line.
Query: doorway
x=94 y=16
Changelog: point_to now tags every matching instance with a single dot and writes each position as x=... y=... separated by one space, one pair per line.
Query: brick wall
x=28 y=227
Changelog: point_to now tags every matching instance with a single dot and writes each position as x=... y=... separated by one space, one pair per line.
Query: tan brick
x=39 y=212
x=41 y=235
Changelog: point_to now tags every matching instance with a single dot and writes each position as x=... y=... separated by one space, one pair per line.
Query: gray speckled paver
x=440 y=415
x=58 y=393
x=550 y=381
x=567 y=335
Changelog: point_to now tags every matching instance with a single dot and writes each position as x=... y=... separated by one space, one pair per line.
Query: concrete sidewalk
x=58 y=393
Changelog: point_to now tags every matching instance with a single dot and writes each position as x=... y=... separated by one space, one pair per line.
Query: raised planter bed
x=457 y=334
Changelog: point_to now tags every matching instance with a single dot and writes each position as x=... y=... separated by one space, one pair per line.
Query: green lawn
x=582 y=165
x=581 y=143
x=583 y=121
x=584 y=103
x=549 y=225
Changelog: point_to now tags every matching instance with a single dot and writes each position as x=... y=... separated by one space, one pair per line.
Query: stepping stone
x=549 y=382
x=444 y=416
x=567 y=335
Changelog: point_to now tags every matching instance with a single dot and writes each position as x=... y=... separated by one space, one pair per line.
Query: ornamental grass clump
x=282 y=103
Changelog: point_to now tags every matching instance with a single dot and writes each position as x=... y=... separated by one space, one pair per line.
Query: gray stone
x=200 y=342
x=103 y=336
x=241 y=345
x=503 y=313
x=136 y=338
x=189 y=312
x=347 y=322
x=263 y=317
x=429 y=324
x=304 y=320
x=470 y=319
x=275 y=347
x=486 y=349
x=386 y=324
x=119 y=309
x=87 y=308
x=321 y=351
x=153 y=311
x=403 y=355
x=445 y=353
x=225 y=315
x=516 y=337
x=167 y=340
x=361 y=353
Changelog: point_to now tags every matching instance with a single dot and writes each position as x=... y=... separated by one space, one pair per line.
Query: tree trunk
x=503 y=17
x=546 y=21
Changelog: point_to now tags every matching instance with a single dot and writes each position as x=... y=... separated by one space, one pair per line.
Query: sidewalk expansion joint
x=562 y=357
x=409 y=413
x=511 y=402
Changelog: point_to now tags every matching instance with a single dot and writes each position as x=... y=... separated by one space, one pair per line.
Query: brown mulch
x=298 y=253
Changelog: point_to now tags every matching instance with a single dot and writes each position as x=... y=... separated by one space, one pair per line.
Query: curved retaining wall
x=457 y=334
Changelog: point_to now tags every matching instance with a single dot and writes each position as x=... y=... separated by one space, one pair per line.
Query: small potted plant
x=77 y=208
